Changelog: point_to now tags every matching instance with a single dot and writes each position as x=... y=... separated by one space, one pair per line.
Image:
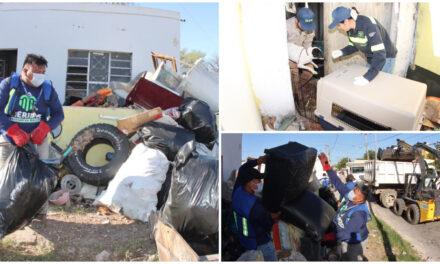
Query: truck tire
x=399 y=206
x=413 y=214
x=387 y=198
x=90 y=136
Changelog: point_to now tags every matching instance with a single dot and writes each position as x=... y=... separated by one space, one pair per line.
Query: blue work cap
x=306 y=17
x=340 y=14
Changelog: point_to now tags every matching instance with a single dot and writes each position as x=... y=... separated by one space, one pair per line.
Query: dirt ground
x=80 y=234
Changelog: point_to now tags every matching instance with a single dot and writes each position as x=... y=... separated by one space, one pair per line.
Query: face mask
x=38 y=79
x=350 y=195
x=259 y=187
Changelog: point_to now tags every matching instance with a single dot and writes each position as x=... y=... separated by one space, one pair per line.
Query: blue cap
x=305 y=17
x=340 y=14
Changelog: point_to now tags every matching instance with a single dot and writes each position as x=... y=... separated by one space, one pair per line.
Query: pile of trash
x=163 y=161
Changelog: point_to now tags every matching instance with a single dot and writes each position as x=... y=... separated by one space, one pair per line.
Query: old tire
x=399 y=206
x=90 y=136
x=387 y=198
x=413 y=214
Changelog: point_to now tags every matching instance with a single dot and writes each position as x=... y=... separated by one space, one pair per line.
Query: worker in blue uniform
x=351 y=219
x=367 y=35
x=325 y=181
x=350 y=182
x=29 y=109
x=252 y=221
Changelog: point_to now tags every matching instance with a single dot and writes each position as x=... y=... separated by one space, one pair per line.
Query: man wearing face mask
x=29 y=108
x=351 y=220
x=253 y=222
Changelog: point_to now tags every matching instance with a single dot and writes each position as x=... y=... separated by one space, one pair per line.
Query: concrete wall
x=54 y=28
x=231 y=154
x=255 y=77
x=398 y=18
x=425 y=56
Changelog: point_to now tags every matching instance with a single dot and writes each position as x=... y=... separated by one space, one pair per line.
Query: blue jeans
x=268 y=251
x=388 y=66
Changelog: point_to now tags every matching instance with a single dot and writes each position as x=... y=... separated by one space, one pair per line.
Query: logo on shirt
x=361 y=34
x=27 y=102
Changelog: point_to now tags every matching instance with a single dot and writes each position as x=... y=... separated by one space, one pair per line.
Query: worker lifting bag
x=166 y=138
x=197 y=117
x=25 y=186
x=288 y=169
x=310 y=213
x=192 y=204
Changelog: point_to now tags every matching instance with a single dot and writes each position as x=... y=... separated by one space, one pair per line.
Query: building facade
x=87 y=45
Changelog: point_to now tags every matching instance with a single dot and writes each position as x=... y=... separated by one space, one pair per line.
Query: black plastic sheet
x=197 y=117
x=162 y=195
x=166 y=138
x=310 y=213
x=192 y=204
x=25 y=186
x=288 y=169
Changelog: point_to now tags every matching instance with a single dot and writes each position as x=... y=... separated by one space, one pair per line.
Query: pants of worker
x=353 y=252
x=268 y=250
x=388 y=66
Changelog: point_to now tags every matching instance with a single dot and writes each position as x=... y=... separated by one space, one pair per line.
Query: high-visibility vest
x=242 y=203
x=343 y=217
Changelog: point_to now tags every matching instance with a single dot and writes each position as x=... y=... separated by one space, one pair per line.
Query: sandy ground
x=80 y=234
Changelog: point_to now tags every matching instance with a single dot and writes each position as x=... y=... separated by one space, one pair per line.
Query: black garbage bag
x=310 y=213
x=166 y=138
x=25 y=186
x=327 y=195
x=162 y=195
x=197 y=117
x=288 y=169
x=192 y=204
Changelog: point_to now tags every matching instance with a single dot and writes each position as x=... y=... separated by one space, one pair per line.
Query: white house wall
x=231 y=154
x=54 y=28
x=255 y=67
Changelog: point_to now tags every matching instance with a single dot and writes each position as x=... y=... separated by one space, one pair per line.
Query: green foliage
x=371 y=155
x=341 y=164
x=190 y=57
x=430 y=156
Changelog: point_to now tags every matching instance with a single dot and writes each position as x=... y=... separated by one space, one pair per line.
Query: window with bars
x=89 y=71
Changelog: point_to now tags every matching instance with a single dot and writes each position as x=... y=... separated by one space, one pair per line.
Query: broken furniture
x=388 y=102
x=149 y=95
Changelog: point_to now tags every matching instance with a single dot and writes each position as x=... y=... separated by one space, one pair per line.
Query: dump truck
x=387 y=177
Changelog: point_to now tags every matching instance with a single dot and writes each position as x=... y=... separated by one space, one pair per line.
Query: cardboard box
x=131 y=124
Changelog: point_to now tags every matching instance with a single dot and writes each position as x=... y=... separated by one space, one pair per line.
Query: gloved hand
x=39 y=133
x=324 y=161
x=336 y=54
x=360 y=81
x=18 y=135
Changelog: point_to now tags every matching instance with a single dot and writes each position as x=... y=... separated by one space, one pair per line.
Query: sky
x=200 y=29
x=341 y=145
